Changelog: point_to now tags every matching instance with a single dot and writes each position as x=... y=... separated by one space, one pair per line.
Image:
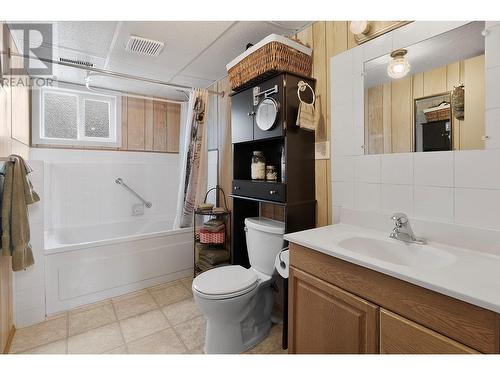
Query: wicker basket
x=271 y=58
x=440 y=113
x=216 y=238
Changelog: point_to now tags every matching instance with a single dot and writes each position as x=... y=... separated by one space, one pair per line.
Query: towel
x=17 y=194
x=306 y=116
x=214 y=256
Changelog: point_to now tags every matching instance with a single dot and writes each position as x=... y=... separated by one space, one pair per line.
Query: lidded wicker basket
x=271 y=55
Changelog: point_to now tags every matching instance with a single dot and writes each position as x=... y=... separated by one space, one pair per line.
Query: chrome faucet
x=402 y=230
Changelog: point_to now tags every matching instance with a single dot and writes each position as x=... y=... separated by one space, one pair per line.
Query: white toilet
x=236 y=301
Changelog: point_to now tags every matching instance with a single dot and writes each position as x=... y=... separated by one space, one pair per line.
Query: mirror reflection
x=428 y=96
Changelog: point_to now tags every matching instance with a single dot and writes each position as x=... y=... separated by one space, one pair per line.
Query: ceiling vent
x=144 y=46
x=88 y=64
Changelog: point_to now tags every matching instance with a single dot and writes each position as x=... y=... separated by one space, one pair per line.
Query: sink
x=398 y=252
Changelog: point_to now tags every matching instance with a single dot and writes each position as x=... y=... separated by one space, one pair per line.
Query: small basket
x=215 y=238
x=439 y=113
x=271 y=58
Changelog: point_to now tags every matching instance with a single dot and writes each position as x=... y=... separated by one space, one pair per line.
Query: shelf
x=211 y=213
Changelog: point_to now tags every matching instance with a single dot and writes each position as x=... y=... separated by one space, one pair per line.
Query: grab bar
x=119 y=181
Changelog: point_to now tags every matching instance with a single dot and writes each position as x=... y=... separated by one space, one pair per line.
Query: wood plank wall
x=327 y=39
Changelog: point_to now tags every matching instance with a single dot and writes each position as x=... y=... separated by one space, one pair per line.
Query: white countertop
x=472 y=276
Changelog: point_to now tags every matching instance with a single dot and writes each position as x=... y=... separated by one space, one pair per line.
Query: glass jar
x=258 y=169
x=271 y=173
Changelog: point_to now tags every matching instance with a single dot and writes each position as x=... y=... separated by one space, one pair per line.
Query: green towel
x=17 y=194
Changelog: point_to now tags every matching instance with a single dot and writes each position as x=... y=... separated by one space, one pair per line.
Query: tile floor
x=159 y=320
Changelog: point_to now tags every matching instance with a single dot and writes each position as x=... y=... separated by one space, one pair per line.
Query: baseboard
x=6 y=350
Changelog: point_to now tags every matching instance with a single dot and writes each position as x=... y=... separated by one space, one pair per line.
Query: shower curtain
x=194 y=154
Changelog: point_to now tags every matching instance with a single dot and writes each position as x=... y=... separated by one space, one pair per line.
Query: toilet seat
x=225 y=282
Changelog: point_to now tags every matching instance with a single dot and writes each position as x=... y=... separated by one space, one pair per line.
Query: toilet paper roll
x=282 y=263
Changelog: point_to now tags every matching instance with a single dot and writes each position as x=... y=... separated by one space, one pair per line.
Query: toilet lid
x=225 y=280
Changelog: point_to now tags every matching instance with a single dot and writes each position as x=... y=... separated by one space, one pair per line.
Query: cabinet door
x=326 y=319
x=242 y=115
x=402 y=336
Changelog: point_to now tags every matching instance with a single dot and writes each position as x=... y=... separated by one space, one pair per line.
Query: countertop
x=470 y=276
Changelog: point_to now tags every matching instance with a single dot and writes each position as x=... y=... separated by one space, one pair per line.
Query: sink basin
x=398 y=252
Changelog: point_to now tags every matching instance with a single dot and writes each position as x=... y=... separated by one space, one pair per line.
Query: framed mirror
x=267 y=113
x=428 y=96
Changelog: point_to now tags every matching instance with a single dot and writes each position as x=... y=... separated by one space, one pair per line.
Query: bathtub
x=88 y=264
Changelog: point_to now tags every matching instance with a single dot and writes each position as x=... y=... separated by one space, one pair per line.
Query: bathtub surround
x=457 y=187
x=193 y=165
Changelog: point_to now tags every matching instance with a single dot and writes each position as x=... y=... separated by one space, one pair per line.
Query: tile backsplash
x=458 y=187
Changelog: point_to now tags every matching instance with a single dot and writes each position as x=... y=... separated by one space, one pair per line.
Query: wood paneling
x=124 y=110
x=173 y=127
x=402 y=336
x=148 y=125
x=435 y=81
x=325 y=319
x=468 y=324
x=160 y=126
x=136 y=124
x=401 y=115
x=224 y=138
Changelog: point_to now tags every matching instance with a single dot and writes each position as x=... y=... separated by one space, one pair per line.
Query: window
x=72 y=116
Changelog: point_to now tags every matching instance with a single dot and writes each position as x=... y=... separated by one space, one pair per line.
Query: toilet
x=237 y=302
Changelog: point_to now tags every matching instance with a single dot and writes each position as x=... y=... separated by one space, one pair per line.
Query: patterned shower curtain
x=194 y=153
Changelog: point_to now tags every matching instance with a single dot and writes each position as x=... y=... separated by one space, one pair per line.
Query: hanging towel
x=306 y=118
x=17 y=194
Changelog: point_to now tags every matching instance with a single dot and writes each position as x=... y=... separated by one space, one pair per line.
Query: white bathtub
x=89 y=264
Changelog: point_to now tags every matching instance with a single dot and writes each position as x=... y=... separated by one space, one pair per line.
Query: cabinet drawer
x=402 y=336
x=271 y=191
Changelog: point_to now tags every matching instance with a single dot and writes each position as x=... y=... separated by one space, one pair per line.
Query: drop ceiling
x=195 y=52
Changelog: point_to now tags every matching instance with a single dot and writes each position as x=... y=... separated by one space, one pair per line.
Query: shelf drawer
x=271 y=191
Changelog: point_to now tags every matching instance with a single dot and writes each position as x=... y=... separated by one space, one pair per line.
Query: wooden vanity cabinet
x=339 y=307
x=327 y=319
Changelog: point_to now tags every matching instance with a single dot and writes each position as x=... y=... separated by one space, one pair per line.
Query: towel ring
x=301 y=87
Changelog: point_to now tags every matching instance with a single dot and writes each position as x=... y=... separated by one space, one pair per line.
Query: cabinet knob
x=273 y=192
x=251 y=113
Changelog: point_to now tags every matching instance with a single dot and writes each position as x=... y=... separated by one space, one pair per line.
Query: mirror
x=267 y=113
x=429 y=96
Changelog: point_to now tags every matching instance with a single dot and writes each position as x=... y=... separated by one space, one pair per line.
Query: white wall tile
x=492 y=51
x=492 y=83
x=477 y=169
x=367 y=168
x=434 y=203
x=477 y=207
x=396 y=198
x=434 y=168
x=492 y=128
x=343 y=193
x=397 y=168
x=343 y=168
x=366 y=196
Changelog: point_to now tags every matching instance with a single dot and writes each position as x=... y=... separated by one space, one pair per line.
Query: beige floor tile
x=143 y=325
x=163 y=342
x=58 y=347
x=133 y=304
x=181 y=312
x=120 y=350
x=198 y=350
x=96 y=341
x=271 y=343
x=39 y=334
x=99 y=315
x=187 y=282
x=192 y=332
x=169 y=293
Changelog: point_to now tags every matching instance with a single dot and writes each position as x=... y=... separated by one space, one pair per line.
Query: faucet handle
x=400 y=218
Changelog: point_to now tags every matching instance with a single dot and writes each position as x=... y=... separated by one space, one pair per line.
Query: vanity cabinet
x=312 y=304
x=339 y=307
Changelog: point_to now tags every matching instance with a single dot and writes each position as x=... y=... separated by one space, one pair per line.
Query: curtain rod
x=113 y=74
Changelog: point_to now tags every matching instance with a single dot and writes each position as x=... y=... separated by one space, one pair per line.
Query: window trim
x=113 y=141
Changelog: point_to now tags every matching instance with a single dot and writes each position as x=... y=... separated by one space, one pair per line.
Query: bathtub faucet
x=120 y=181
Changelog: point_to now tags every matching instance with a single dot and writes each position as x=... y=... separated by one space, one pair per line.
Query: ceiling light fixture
x=359 y=27
x=399 y=65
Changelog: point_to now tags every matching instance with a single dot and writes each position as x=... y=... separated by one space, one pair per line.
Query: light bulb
x=359 y=27
x=399 y=65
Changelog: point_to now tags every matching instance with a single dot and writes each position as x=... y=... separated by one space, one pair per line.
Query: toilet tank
x=264 y=241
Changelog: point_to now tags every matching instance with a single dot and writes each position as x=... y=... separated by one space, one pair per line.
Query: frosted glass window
x=96 y=119
x=60 y=116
